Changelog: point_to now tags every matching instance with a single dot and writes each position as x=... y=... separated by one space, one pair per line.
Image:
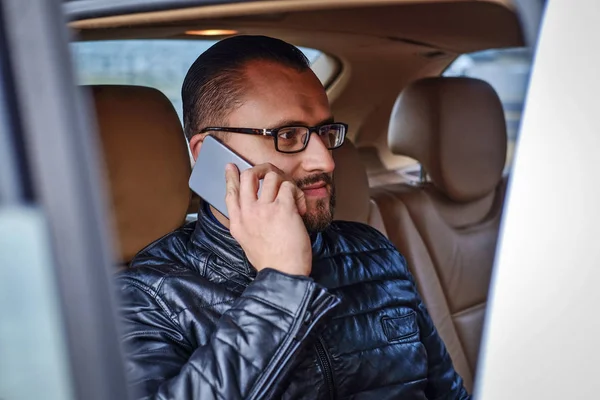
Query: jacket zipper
x=326 y=366
x=320 y=306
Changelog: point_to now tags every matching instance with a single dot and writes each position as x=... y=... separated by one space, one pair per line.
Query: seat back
x=353 y=201
x=147 y=164
x=447 y=228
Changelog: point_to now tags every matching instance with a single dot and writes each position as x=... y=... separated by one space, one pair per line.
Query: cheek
x=252 y=148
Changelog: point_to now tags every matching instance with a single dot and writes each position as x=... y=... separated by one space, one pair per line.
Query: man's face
x=280 y=96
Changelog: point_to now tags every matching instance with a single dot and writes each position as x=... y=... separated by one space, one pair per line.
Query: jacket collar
x=212 y=235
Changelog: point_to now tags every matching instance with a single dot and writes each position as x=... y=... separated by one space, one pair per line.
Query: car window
x=507 y=70
x=161 y=64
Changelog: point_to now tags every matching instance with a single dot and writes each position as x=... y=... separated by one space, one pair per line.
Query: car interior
x=386 y=60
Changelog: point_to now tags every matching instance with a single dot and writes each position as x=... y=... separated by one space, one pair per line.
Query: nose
x=317 y=157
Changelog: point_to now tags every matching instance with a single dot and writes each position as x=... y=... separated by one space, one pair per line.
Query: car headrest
x=351 y=184
x=147 y=162
x=455 y=128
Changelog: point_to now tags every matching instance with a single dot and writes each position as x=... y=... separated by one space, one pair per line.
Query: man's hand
x=269 y=228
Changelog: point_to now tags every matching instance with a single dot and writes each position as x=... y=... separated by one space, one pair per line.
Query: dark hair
x=215 y=83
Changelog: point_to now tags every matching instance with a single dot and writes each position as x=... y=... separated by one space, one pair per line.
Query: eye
x=288 y=134
x=291 y=139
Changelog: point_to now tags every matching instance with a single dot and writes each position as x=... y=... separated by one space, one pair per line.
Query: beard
x=319 y=213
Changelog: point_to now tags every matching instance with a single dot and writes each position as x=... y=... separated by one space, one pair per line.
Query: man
x=278 y=301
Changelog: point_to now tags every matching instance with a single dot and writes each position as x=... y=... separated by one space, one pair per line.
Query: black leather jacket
x=200 y=323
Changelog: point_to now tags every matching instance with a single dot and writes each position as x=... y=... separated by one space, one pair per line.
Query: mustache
x=316 y=178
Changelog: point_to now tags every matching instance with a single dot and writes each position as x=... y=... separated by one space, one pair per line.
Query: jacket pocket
x=401 y=328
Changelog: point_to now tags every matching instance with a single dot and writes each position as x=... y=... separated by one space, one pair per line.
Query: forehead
x=276 y=93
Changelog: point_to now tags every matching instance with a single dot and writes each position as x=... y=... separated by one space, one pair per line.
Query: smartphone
x=208 y=174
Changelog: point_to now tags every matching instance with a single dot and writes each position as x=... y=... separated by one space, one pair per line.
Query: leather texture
x=455 y=128
x=199 y=323
x=377 y=173
x=448 y=229
x=352 y=189
x=147 y=163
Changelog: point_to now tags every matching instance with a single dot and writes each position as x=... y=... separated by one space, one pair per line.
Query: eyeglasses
x=294 y=139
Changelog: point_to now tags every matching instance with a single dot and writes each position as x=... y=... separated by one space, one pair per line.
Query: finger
x=270 y=187
x=232 y=194
x=289 y=194
x=250 y=181
x=248 y=187
x=262 y=170
x=300 y=200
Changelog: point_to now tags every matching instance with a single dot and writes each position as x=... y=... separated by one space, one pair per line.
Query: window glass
x=34 y=362
x=161 y=64
x=507 y=70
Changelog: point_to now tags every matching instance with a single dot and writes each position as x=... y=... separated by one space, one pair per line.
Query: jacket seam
x=137 y=382
x=206 y=265
x=205 y=306
x=354 y=252
x=404 y=341
x=222 y=275
x=161 y=333
x=394 y=305
x=401 y=383
x=391 y=278
x=149 y=352
x=268 y=303
x=159 y=300
x=268 y=322
x=208 y=382
x=238 y=353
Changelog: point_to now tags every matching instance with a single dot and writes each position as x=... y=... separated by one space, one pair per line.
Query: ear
x=196 y=143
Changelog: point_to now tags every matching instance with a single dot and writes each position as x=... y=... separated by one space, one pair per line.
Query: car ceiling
x=381 y=44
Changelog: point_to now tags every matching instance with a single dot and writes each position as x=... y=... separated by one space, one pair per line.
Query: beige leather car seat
x=377 y=173
x=147 y=164
x=448 y=227
x=353 y=201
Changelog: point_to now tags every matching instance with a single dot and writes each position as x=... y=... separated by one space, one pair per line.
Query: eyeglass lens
x=295 y=138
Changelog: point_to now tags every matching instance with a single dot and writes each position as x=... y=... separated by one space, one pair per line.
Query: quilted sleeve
x=250 y=350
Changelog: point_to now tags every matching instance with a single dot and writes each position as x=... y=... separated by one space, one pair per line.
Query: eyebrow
x=288 y=122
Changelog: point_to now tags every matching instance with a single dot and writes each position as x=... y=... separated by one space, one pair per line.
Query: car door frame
x=541 y=330
x=55 y=168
